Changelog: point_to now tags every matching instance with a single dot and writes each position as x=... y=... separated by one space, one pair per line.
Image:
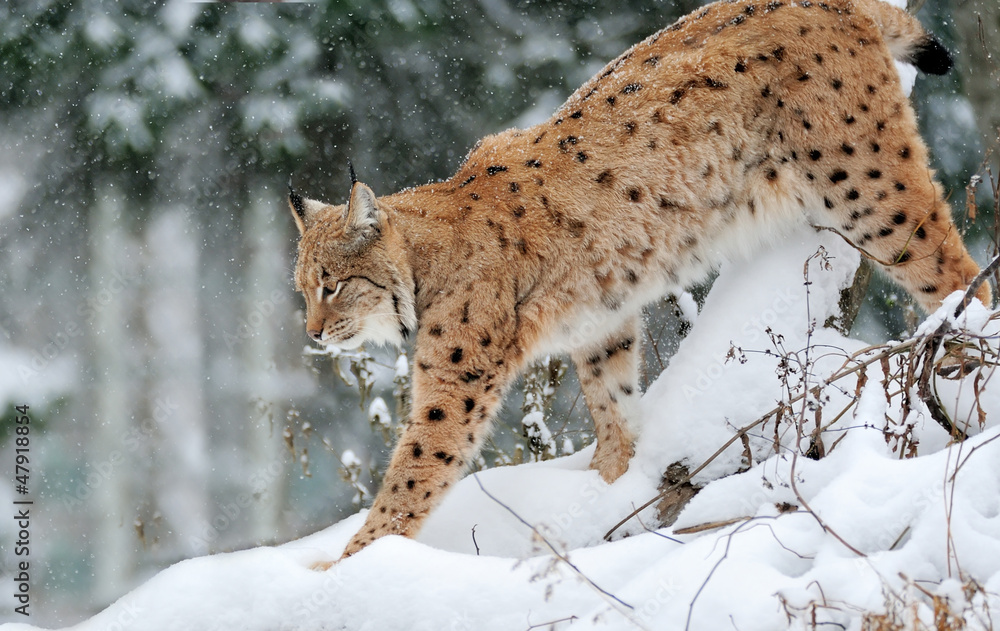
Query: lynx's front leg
x=458 y=382
x=609 y=376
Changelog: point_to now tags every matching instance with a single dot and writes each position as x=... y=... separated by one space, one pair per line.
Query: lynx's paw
x=613 y=452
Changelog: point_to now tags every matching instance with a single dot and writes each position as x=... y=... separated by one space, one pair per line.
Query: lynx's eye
x=332 y=293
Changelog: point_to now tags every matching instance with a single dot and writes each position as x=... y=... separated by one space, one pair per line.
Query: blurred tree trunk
x=977 y=25
x=173 y=319
x=114 y=548
x=262 y=307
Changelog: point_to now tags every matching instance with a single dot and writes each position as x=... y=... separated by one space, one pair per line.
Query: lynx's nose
x=316 y=335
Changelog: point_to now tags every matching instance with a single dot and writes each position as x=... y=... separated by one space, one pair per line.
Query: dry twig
x=561 y=555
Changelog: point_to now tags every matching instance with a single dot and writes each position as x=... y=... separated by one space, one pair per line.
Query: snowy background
x=148 y=320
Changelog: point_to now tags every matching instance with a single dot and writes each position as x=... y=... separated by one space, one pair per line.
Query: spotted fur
x=699 y=143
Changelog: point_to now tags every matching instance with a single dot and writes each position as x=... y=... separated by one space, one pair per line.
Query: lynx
x=697 y=144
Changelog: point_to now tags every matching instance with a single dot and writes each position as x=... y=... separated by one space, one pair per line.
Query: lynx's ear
x=303 y=210
x=363 y=214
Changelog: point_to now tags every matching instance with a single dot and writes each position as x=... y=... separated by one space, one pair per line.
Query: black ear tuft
x=296 y=200
x=354 y=176
x=932 y=57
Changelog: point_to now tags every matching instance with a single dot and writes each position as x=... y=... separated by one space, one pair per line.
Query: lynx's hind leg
x=925 y=252
x=893 y=210
x=853 y=137
x=609 y=377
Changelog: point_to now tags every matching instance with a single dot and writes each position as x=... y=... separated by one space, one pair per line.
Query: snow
x=770 y=544
x=688 y=306
x=12 y=190
x=177 y=17
x=738 y=313
x=122 y=113
x=402 y=368
x=256 y=33
x=101 y=30
x=333 y=91
x=350 y=459
x=378 y=414
x=278 y=114
x=404 y=12
x=40 y=374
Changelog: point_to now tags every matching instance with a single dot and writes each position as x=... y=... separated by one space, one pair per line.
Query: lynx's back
x=717 y=132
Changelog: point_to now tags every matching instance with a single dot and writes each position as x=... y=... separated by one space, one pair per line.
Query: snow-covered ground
x=786 y=542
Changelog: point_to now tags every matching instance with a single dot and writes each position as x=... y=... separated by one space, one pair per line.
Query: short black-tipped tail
x=932 y=57
x=907 y=39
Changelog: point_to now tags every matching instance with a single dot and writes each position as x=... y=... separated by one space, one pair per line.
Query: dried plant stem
x=929 y=346
x=839 y=374
x=560 y=555
x=712 y=525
